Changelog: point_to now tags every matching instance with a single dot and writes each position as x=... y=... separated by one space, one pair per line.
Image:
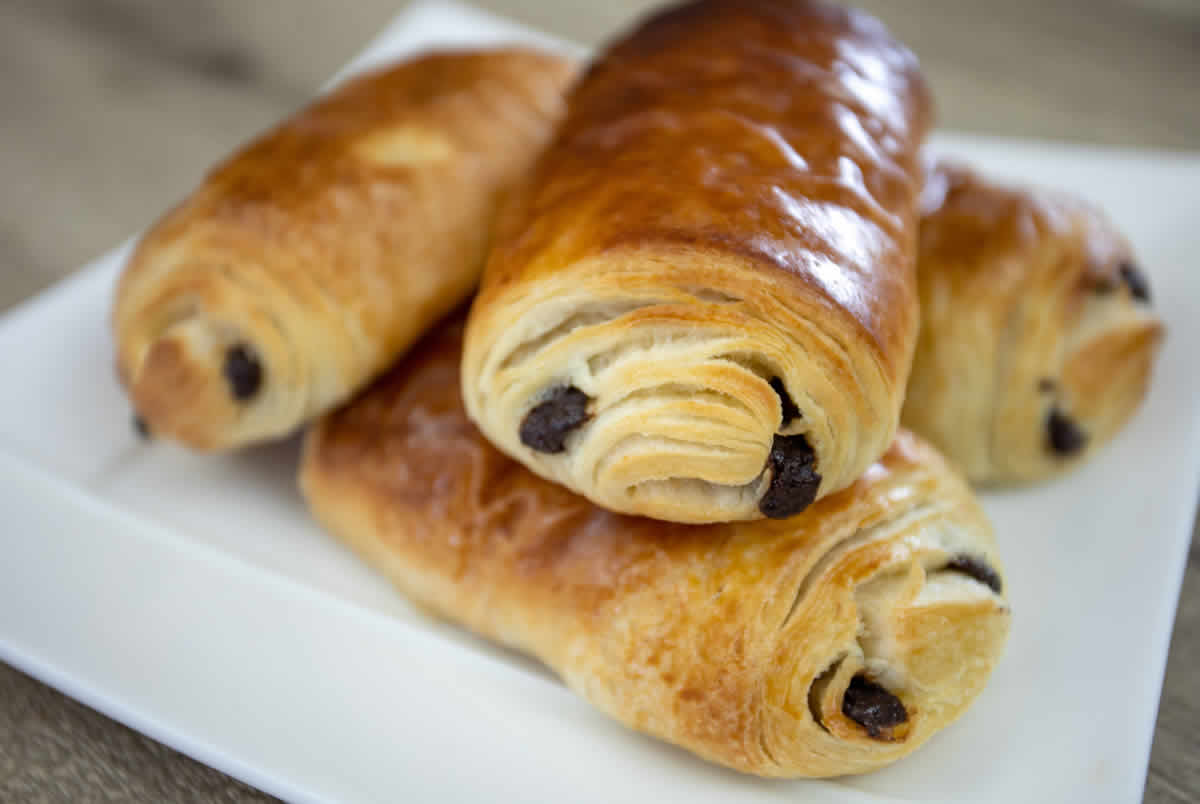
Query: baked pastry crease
x=701 y=306
x=1037 y=335
x=834 y=642
x=308 y=261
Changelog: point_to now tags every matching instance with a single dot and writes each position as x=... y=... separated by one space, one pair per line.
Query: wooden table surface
x=111 y=109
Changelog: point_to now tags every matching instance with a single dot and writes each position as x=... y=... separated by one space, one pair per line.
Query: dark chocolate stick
x=1063 y=434
x=794 y=478
x=1135 y=280
x=872 y=707
x=546 y=427
x=977 y=568
x=242 y=371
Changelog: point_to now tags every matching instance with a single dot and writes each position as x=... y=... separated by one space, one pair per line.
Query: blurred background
x=110 y=110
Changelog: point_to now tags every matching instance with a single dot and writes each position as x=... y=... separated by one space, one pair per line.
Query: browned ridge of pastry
x=711 y=267
x=1037 y=336
x=834 y=642
x=309 y=260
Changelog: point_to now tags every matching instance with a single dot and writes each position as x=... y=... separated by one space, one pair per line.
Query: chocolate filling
x=141 y=427
x=872 y=707
x=546 y=427
x=1136 y=281
x=1064 y=436
x=790 y=411
x=794 y=478
x=242 y=371
x=1047 y=384
x=977 y=568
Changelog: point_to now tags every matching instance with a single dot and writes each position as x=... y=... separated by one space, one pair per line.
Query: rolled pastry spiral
x=831 y=643
x=1037 y=336
x=305 y=263
x=701 y=306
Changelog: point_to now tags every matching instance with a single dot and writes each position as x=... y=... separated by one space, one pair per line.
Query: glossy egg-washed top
x=969 y=223
x=785 y=132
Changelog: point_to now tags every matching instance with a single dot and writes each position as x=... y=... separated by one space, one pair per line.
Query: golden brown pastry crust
x=731 y=199
x=328 y=245
x=736 y=641
x=1037 y=338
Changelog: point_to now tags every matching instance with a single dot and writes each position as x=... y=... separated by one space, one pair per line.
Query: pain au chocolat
x=830 y=643
x=1037 y=335
x=308 y=261
x=701 y=305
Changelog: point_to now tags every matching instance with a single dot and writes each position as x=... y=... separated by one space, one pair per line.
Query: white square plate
x=192 y=598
